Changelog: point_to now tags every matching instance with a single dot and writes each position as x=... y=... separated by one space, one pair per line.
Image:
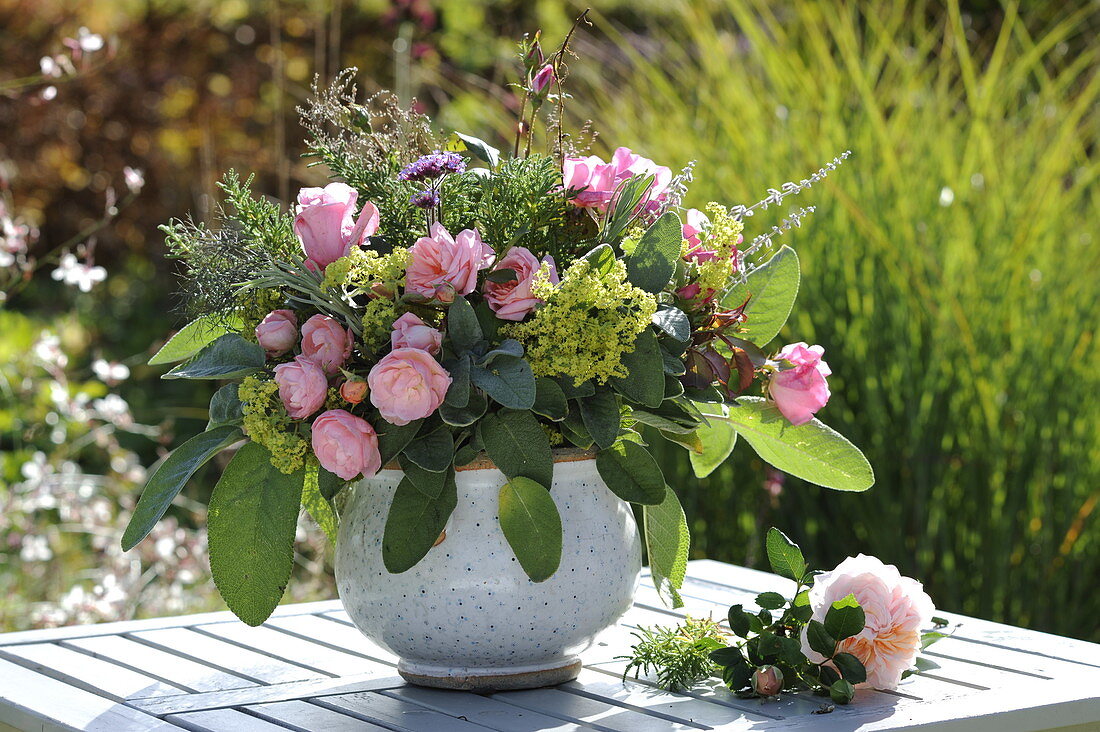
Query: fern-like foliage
x=679 y=655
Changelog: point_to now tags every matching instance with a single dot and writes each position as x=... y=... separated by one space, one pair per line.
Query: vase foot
x=490 y=678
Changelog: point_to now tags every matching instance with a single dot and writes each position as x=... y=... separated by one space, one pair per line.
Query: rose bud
x=277 y=332
x=767 y=681
x=353 y=391
x=800 y=391
x=540 y=85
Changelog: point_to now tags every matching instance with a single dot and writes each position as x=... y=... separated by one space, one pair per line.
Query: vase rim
x=482 y=461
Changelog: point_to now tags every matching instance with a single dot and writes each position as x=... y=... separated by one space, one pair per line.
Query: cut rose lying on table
x=861 y=625
x=445 y=302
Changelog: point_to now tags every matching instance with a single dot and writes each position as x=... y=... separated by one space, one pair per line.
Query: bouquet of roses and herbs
x=442 y=301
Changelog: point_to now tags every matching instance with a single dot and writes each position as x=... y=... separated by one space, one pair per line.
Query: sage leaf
x=667 y=542
x=532 y=526
x=773 y=288
x=228 y=357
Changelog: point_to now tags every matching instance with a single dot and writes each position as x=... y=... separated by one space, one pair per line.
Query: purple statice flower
x=425 y=199
x=433 y=165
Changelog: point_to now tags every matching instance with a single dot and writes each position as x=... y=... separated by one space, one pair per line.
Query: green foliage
x=810 y=451
x=190 y=339
x=784 y=555
x=169 y=478
x=770 y=290
x=517 y=445
x=228 y=357
x=264 y=223
x=532 y=526
x=645 y=383
x=631 y=473
x=251 y=522
x=716 y=441
x=315 y=501
x=679 y=656
x=422 y=503
x=667 y=542
x=651 y=264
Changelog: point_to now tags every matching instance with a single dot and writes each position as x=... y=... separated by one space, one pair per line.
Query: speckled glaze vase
x=467 y=617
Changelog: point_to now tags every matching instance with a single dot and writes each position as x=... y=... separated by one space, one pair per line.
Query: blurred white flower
x=110 y=372
x=35 y=549
x=49 y=93
x=47 y=349
x=947 y=196
x=114 y=409
x=89 y=42
x=135 y=179
x=75 y=273
x=49 y=66
x=35 y=469
x=6 y=259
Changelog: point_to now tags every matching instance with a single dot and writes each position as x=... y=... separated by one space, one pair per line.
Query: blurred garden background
x=951 y=270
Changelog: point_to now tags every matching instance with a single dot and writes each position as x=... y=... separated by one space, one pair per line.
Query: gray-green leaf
x=651 y=264
x=631 y=473
x=168 y=480
x=784 y=555
x=773 y=287
x=717 y=438
x=508 y=380
x=667 y=541
x=251 y=523
x=229 y=357
x=192 y=338
x=645 y=383
x=517 y=445
x=422 y=503
x=532 y=526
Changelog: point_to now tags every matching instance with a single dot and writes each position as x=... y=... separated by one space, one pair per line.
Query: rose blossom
x=896 y=608
x=410 y=331
x=597 y=181
x=441 y=261
x=407 y=384
x=346 y=445
x=277 y=332
x=302 y=386
x=326 y=225
x=801 y=391
x=767 y=681
x=512 y=300
x=326 y=343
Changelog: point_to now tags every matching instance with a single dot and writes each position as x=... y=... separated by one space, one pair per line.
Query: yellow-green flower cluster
x=267 y=423
x=378 y=316
x=713 y=275
x=588 y=322
x=365 y=268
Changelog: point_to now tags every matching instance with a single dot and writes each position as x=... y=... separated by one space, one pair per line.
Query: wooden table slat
x=305 y=717
x=480 y=710
x=226 y=656
x=605 y=714
x=334 y=635
x=271 y=642
x=219 y=720
x=89 y=673
x=29 y=700
x=190 y=675
x=395 y=713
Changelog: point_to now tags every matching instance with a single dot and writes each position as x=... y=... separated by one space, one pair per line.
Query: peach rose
x=353 y=391
x=443 y=262
x=326 y=343
x=896 y=609
x=277 y=332
x=326 y=225
x=302 y=386
x=512 y=300
x=407 y=384
x=346 y=445
x=410 y=331
x=801 y=391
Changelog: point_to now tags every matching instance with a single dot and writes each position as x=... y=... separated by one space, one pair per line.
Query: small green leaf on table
x=819 y=639
x=532 y=526
x=251 y=523
x=842 y=691
x=850 y=667
x=784 y=556
x=770 y=600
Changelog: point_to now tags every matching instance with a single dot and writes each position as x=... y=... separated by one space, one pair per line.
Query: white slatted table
x=308 y=669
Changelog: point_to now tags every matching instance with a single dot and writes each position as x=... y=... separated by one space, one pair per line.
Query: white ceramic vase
x=466 y=616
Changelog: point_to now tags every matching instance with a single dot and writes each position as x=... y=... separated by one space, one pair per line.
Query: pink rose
x=353 y=391
x=896 y=609
x=326 y=343
x=326 y=225
x=597 y=181
x=512 y=300
x=410 y=331
x=302 y=387
x=407 y=384
x=346 y=445
x=801 y=391
x=277 y=332
x=445 y=263
x=767 y=681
